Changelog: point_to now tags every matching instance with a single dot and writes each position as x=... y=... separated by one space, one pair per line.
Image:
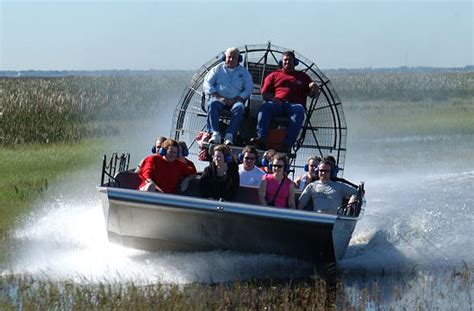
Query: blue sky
x=92 y=35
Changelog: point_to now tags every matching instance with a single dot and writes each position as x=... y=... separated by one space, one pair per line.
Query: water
x=418 y=219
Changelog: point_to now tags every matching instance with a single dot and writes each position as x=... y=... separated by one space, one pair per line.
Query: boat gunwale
x=160 y=201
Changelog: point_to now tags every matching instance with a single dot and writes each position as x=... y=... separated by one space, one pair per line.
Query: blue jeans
x=269 y=110
x=214 y=108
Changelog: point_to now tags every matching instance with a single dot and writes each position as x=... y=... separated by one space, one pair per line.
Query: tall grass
x=68 y=109
x=402 y=291
x=404 y=86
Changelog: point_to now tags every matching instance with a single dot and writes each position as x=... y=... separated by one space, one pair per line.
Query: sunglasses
x=277 y=165
x=249 y=158
x=324 y=171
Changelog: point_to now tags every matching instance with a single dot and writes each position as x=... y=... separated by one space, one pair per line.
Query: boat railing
x=116 y=164
x=247 y=194
x=353 y=209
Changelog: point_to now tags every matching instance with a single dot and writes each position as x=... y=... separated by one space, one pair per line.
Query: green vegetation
x=68 y=109
x=394 y=118
x=46 y=126
x=450 y=289
x=404 y=86
x=26 y=172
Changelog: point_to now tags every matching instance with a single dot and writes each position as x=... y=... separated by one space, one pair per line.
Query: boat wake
x=422 y=222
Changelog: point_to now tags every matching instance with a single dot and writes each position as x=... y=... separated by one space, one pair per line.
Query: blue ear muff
x=228 y=158
x=334 y=171
x=240 y=158
x=306 y=167
x=163 y=152
x=153 y=149
x=240 y=58
x=265 y=162
x=280 y=63
x=286 y=169
x=185 y=152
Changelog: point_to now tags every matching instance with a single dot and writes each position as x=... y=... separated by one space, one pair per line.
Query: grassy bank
x=27 y=171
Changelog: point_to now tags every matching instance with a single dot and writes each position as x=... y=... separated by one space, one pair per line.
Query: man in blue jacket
x=228 y=85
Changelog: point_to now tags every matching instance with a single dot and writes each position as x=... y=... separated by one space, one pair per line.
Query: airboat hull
x=164 y=222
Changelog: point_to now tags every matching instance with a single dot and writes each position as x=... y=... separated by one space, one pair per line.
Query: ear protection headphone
x=306 y=167
x=153 y=149
x=286 y=168
x=228 y=158
x=241 y=157
x=163 y=151
x=185 y=151
x=295 y=61
x=240 y=58
x=334 y=171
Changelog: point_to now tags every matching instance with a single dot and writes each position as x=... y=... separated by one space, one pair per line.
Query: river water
x=417 y=227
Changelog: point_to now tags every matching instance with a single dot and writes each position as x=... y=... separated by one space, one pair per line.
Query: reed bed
x=68 y=109
x=422 y=290
x=404 y=86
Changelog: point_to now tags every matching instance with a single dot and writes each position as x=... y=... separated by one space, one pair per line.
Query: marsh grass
x=36 y=114
x=27 y=171
x=422 y=290
x=393 y=118
x=67 y=109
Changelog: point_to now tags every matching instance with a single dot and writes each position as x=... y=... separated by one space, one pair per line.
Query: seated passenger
x=335 y=171
x=311 y=169
x=250 y=175
x=183 y=152
x=162 y=172
x=220 y=180
x=266 y=160
x=285 y=91
x=327 y=195
x=154 y=149
x=228 y=85
x=277 y=189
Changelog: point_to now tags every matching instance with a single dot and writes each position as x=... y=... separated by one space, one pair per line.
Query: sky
x=165 y=34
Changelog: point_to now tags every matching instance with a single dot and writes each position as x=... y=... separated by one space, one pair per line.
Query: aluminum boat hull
x=168 y=222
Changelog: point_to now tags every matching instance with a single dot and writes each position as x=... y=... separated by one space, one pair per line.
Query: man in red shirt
x=162 y=172
x=284 y=91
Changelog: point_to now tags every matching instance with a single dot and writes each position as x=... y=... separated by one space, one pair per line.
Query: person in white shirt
x=250 y=175
x=228 y=85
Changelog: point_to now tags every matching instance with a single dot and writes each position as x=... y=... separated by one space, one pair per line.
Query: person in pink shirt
x=277 y=189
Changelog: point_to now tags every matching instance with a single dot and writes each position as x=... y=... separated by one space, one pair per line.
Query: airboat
x=185 y=222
